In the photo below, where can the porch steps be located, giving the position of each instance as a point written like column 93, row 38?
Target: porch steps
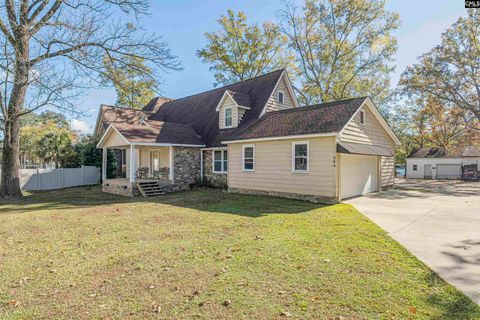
column 150, row 189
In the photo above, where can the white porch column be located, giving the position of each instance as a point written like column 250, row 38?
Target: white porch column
column 104, row 164
column 171, row 162
column 132, row 162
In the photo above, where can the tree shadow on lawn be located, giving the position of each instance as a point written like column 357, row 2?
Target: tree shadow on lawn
column 204, row 199
column 453, row 306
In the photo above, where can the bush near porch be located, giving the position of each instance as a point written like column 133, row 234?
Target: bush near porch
column 81, row 254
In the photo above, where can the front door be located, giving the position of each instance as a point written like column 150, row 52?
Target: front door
column 427, row 171
column 154, row 161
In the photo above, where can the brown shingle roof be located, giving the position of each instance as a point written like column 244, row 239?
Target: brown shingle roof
column 241, row 99
column 471, row 151
column 156, row 103
column 321, row 118
column 199, row 110
column 113, row 114
column 435, row 152
column 159, row 132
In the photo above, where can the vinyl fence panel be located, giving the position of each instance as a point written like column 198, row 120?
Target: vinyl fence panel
column 50, row 179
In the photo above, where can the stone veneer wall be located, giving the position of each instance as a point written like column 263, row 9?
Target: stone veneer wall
column 216, row 180
column 120, row 189
column 186, row 164
column 305, row 197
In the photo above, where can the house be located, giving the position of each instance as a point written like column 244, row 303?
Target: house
column 437, row 163
column 251, row 137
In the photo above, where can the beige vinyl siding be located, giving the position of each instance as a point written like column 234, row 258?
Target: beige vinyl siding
column 371, row 133
column 273, row 104
column 241, row 113
column 228, row 103
column 273, row 168
column 114, row 139
column 143, row 157
column 387, row 171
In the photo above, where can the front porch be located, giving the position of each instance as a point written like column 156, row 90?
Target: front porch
column 143, row 170
column 148, row 168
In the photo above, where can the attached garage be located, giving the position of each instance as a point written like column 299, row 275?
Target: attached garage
column 449, row 171
column 358, row 175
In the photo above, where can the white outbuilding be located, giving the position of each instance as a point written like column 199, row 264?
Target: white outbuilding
column 437, row 163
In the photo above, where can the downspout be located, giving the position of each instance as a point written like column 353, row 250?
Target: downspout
column 201, row 166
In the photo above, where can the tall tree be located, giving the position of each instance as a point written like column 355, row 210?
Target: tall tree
column 441, row 126
column 55, row 143
column 47, row 138
column 51, row 49
column 135, row 86
column 239, row 51
column 342, row 48
column 450, row 72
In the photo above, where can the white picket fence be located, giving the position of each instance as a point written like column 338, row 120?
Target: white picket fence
column 49, row 179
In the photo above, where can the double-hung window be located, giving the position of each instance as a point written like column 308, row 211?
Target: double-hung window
column 248, row 158
column 228, row 117
column 280, row 97
column 300, row 154
column 220, row 161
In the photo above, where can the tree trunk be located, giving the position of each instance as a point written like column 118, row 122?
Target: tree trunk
column 10, row 181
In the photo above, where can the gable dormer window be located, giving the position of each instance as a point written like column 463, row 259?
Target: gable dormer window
column 280, row 97
column 228, row 117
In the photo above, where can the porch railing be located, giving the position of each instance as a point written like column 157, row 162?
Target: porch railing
column 144, row 173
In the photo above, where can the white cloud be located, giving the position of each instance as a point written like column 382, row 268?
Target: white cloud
column 80, row 125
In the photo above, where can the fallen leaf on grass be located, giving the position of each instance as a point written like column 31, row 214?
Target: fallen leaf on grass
column 227, row 302
column 285, row 314
column 14, row 303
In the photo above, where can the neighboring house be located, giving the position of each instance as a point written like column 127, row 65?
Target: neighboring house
column 251, row 137
column 436, row 163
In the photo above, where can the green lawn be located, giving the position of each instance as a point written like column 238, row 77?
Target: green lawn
column 82, row 254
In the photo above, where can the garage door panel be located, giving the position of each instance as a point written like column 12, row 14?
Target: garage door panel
column 449, row 171
column 358, row 175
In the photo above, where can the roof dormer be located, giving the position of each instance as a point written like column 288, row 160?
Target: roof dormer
column 232, row 107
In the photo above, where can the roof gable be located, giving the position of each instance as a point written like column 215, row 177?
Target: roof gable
column 368, row 103
column 271, row 101
column 153, row 132
column 110, row 114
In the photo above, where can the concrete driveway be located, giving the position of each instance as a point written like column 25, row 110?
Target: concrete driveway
column 437, row 221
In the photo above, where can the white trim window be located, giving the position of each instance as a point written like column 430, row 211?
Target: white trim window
column 228, row 117
column 248, row 157
column 220, row 161
column 281, row 97
column 361, row 117
column 300, row 156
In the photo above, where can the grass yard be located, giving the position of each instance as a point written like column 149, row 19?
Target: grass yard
column 82, row 254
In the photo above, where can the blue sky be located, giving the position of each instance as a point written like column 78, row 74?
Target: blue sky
column 183, row 23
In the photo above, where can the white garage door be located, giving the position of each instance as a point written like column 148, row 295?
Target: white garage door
column 358, row 175
column 449, row 171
